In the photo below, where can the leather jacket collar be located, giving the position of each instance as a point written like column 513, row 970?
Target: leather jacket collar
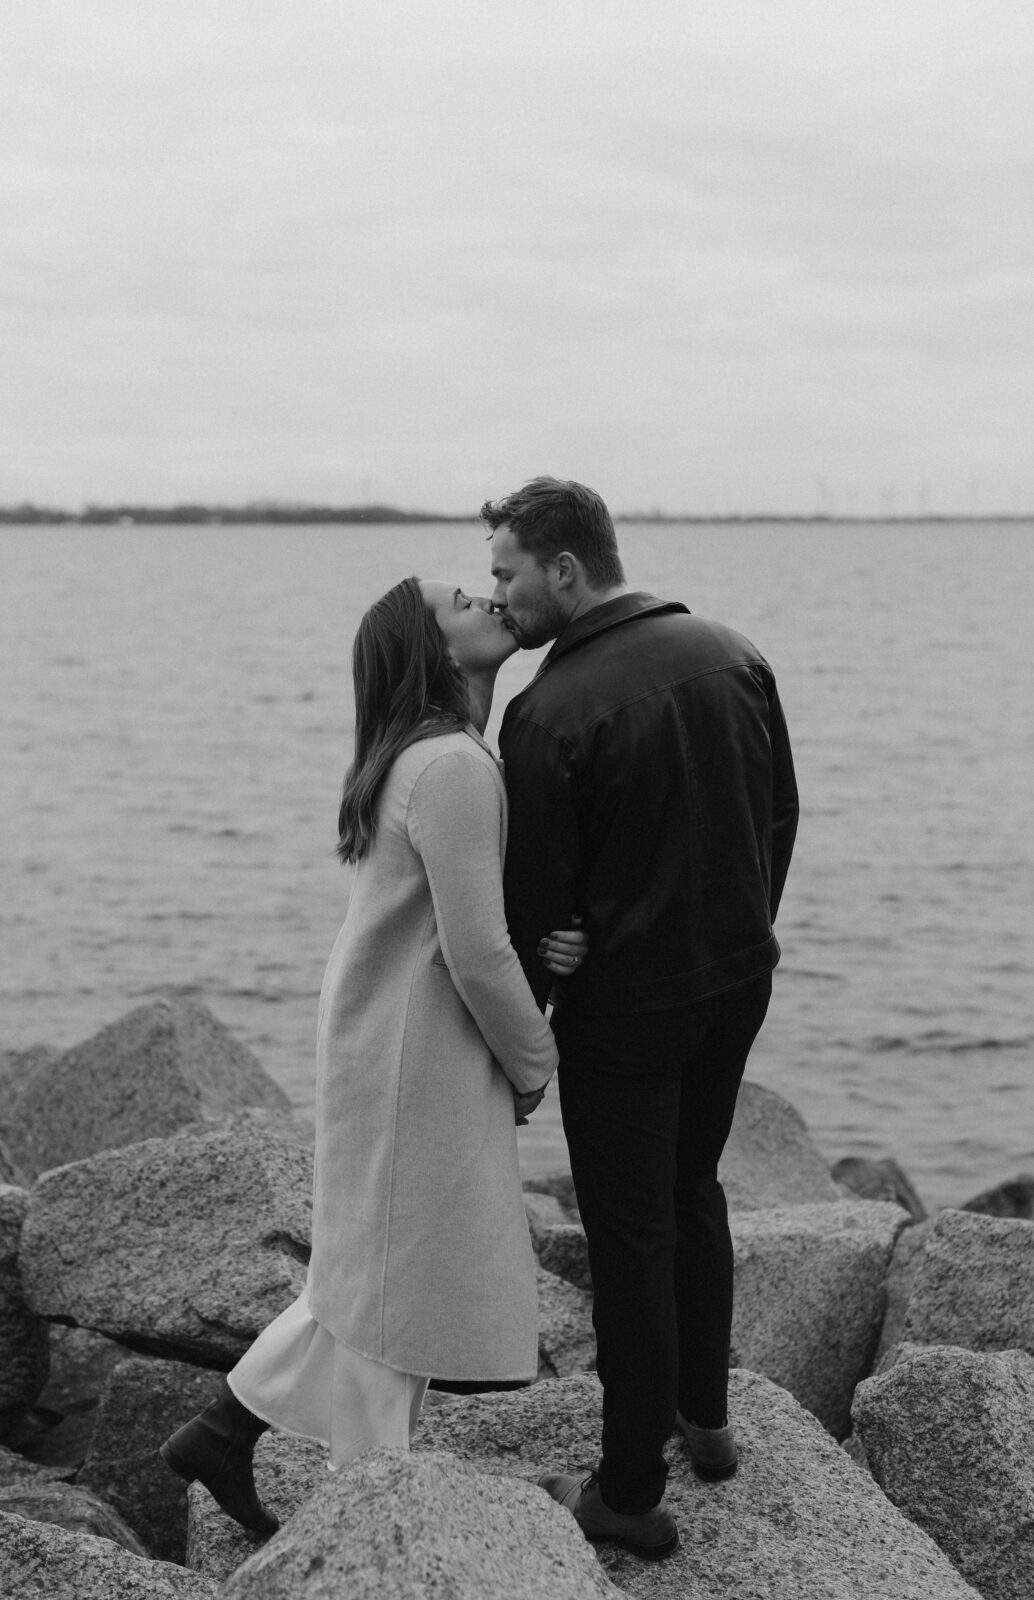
column 608, row 615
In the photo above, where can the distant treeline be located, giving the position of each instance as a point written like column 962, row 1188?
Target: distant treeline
column 262, row 511
column 258, row 511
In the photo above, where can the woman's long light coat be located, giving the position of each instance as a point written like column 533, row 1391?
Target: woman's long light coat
column 421, row 1253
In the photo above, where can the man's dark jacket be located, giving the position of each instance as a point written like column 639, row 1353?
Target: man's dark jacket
column 651, row 790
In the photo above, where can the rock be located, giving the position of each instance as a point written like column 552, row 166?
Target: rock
column 809, row 1298
column 770, row 1158
column 15, row 1468
column 146, row 1399
column 159, row 1068
column 900, row 1281
column 558, row 1186
column 23, row 1335
column 288, row 1471
column 797, row 1522
column 1012, row 1199
column 81, row 1362
column 879, row 1180
column 975, row 1284
column 395, row 1526
column 43, row 1562
column 558, row 1242
column 567, row 1342
column 69, row 1506
column 186, row 1247
column 949, row 1438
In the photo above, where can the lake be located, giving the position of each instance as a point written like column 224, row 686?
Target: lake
column 177, row 720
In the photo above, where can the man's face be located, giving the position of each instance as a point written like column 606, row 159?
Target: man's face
column 525, row 592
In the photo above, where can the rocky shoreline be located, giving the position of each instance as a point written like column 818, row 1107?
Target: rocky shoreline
column 155, row 1199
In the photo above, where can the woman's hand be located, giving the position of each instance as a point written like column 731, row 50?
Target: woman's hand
column 524, row 1105
column 563, row 953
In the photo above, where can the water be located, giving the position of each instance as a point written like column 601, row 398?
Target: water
column 176, row 721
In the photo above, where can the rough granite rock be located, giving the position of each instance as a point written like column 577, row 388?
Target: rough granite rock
column 558, row 1240
column 799, row 1521
column 159, row 1068
column 567, row 1342
column 186, row 1247
column 288, row 1471
column 948, row 1435
column 1014, row 1198
column 770, row 1158
column 68, row 1505
column 81, row 1362
column 42, row 1562
column 24, row 1358
column 975, row 1284
column 900, row 1281
column 15, row 1468
column 879, row 1180
column 809, row 1298
column 395, row 1526
column 146, row 1399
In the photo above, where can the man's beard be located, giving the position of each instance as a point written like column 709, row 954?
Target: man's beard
column 540, row 627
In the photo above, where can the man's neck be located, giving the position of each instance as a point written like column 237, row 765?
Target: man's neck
column 589, row 599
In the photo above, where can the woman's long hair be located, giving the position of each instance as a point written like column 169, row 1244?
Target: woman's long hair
column 406, row 688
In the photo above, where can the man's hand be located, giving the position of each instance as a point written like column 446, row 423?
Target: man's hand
column 524, row 1105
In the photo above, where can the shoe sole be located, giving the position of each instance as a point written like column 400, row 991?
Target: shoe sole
column 172, row 1460
column 651, row 1552
column 714, row 1474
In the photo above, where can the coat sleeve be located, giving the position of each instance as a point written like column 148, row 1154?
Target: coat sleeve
column 455, row 824
column 785, row 804
column 543, row 851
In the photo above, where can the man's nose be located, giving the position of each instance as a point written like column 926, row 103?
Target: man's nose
column 498, row 601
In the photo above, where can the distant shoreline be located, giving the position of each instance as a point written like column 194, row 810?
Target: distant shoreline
column 268, row 514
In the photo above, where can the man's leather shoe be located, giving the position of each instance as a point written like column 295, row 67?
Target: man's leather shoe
column 711, row 1450
column 652, row 1533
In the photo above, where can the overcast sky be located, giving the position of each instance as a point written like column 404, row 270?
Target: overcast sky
column 705, row 255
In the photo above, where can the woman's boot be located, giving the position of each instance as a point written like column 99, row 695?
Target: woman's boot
column 216, row 1449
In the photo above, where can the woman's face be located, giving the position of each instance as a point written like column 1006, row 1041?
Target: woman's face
column 475, row 634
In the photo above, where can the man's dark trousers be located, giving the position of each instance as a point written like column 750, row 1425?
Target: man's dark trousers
column 647, row 1103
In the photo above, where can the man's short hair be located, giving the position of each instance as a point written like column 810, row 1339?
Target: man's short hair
column 549, row 515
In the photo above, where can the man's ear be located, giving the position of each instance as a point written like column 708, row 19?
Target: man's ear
column 568, row 569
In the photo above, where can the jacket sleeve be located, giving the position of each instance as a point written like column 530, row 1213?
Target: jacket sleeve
column 455, row 823
column 785, row 805
column 543, row 850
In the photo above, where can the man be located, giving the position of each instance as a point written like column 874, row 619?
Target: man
column 652, row 792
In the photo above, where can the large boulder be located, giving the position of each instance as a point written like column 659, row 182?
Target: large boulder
column 900, row 1281
column 567, row 1342
column 557, row 1235
column 770, row 1158
column 948, row 1435
column 185, row 1247
column 23, row 1335
column 288, row 1471
column 68, row 1505
column 394, row 1526
column 870, row 1179
column 1014, row 1198
column 146, row 1399
column 974, row 1286
column 809, row 1298
column 45, row 1562
column 798, row 1519
column 159, row 1068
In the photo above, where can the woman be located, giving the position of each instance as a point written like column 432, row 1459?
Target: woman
column 428, row 1044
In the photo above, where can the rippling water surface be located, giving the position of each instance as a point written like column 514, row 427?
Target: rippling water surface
column 177, row 718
